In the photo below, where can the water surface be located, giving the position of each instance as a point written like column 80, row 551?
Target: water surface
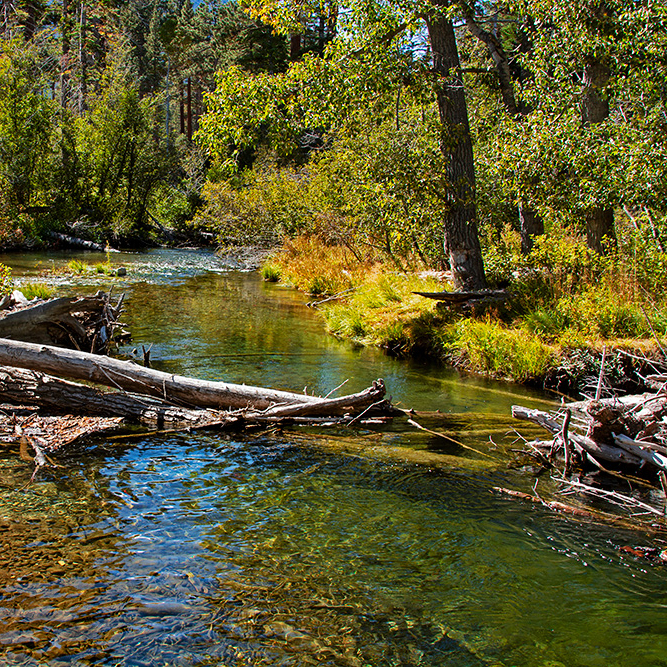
column 306, row 546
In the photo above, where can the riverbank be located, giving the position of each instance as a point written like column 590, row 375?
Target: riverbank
column 553, row 329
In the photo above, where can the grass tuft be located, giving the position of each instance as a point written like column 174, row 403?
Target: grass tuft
column 37, row 290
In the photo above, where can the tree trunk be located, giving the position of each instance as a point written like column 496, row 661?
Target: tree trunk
column 530, row 222
column 132, row 377
column 499, row 57
column 600, row 227
column 461, row 240
column 25, row 387
column 595, row 109
column 65, row 38
column 83, row 60
column 190, row 108
column 181, row 107
column 531, row 225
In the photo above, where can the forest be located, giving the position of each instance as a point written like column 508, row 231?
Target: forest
column 384, row 148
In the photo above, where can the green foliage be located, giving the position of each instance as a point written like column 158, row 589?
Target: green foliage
column 122, row 161
column 493, row 349
column 270, row 272
column 551, row 160
column 384, row 311
column 264, row 207
column 37, row 291
column 6, row 282
column 26, row 129
column 78, row 268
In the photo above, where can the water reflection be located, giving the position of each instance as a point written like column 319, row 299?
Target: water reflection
column 303, row 548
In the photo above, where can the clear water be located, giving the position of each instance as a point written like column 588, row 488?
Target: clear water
column 305, row 547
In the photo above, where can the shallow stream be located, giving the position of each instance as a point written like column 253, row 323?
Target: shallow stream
column 306, row 546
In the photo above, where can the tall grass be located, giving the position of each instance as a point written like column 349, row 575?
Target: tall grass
column 560, row 297
column 317, row 268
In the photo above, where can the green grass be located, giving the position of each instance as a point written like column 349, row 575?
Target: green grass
column 556, row 304
column 39, row 290
column 77, row 267
column 493, row 349
column 271, row 272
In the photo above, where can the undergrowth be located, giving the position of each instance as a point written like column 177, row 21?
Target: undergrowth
column 561, row 297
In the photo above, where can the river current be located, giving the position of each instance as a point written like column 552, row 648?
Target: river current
column 371, row 546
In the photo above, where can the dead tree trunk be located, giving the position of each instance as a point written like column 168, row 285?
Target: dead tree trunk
column 173, row 389
column 129, row 376
column 27, row 387
column 56, row 396
column 85, row 323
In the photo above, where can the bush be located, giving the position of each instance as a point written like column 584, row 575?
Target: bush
column 261, row 208
column 6, row 282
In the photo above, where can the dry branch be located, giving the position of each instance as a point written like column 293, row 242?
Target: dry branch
column 598, row 450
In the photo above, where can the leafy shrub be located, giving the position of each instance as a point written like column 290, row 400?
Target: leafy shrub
column 261, row 208
column 6, row 282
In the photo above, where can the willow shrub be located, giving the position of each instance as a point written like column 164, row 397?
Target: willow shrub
column 262, row 206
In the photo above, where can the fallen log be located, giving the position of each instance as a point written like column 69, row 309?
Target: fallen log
column 57, row 396
column 83, row 323
column 174, row 389
column 366, row 399
column 81, row 243
column 459, row 298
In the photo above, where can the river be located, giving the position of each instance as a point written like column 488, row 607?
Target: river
column 304, row 546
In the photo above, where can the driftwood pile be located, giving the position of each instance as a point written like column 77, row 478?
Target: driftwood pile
column 625, row 437
column 83, row 323
column 626, row 431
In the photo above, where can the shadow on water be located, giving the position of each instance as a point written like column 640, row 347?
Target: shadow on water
column 309, row 547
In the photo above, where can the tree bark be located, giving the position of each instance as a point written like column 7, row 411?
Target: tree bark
column 27, row 387
column 461, row 240
column 499, row 57
column 532, row 225
column 594, row 110
column 132, row 377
